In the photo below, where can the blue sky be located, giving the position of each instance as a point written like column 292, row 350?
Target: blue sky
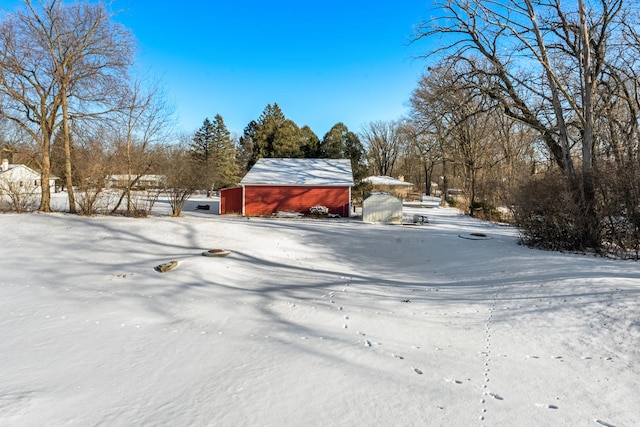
column 322, row 62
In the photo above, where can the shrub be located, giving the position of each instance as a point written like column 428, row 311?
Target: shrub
column 546, row 214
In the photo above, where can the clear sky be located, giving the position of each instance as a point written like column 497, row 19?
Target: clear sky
column 322, row 62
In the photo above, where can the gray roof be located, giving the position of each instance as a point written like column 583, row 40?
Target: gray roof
column 300, row 172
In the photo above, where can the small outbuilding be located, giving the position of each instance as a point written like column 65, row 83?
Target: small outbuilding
column 382, row 207
column 291, row 185
column 386, row 184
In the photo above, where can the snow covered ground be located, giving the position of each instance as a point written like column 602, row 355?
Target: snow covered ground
column 309, row 323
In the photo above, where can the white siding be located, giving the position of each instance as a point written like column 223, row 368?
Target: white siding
column 20, row 179
column 382, row 207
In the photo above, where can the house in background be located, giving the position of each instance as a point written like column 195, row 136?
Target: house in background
column 143, row 182
column 291, row 185
column 22, row 179
column 387, row 184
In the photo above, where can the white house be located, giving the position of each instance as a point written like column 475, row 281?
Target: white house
column 21, row 179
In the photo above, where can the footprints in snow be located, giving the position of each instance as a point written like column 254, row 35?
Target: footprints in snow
column 488, row 354
column 546, row 406
column 487, row 359
column 366, row 342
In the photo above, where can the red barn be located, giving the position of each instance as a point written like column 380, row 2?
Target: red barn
column 292, row 185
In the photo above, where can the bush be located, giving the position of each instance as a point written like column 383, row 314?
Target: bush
column 486, row 210
column 547, row 215
column 620, row 192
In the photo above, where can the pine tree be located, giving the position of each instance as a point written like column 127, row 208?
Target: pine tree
column 310, row 144
column 200, row 148
column 214, row 152
column 226, row 171
column 277, row 136
column 333, row 143
column 341, row 143
column 245, row 147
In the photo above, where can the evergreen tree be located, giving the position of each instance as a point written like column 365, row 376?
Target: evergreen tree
column 333, row 143
column 200, row 147
column 277, row 136
column 287, row 140
column 214, row 152
column 354, row 150
column 310, row 144
column 245, row 147
column 226, row 171
column 340, row 143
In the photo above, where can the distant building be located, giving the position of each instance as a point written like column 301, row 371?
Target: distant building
column 144, row 182
column 387, row 184
column 22, row 179
column 291, row 185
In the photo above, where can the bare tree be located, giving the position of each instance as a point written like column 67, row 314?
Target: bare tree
column 383, row 142
column 93, row 160
column 465, row 121
column 28, row 90
column 143, row 119
column 182, row 175
column 59, row 63
column 542, row 64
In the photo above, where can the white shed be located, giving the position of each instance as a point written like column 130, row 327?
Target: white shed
column 382, row 207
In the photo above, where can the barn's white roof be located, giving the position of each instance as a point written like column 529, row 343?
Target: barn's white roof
column 303, row 172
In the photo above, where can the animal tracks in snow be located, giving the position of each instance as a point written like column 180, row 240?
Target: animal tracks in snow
column 333, row 297
column 487, row 358
column 546, row 406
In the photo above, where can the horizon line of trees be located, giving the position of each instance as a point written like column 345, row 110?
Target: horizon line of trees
column 533, row 106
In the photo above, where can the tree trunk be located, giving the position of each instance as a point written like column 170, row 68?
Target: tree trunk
column 45, row 173
column 427, row 180
column 591, row 223
column 67, row 151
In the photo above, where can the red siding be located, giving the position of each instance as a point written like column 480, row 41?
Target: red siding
column 266, row 200
column 231, row 201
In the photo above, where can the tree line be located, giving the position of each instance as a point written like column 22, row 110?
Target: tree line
column 528, row 106
column 536, row 105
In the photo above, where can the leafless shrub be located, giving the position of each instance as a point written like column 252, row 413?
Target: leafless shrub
column 620, row 193
column 142, row 202
column 546, row 214
column 20, row 198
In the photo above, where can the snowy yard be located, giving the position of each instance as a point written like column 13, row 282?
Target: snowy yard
column 309, row 323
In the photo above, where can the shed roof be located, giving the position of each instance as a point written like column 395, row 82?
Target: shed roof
column 386, row 180
column 300, row 172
